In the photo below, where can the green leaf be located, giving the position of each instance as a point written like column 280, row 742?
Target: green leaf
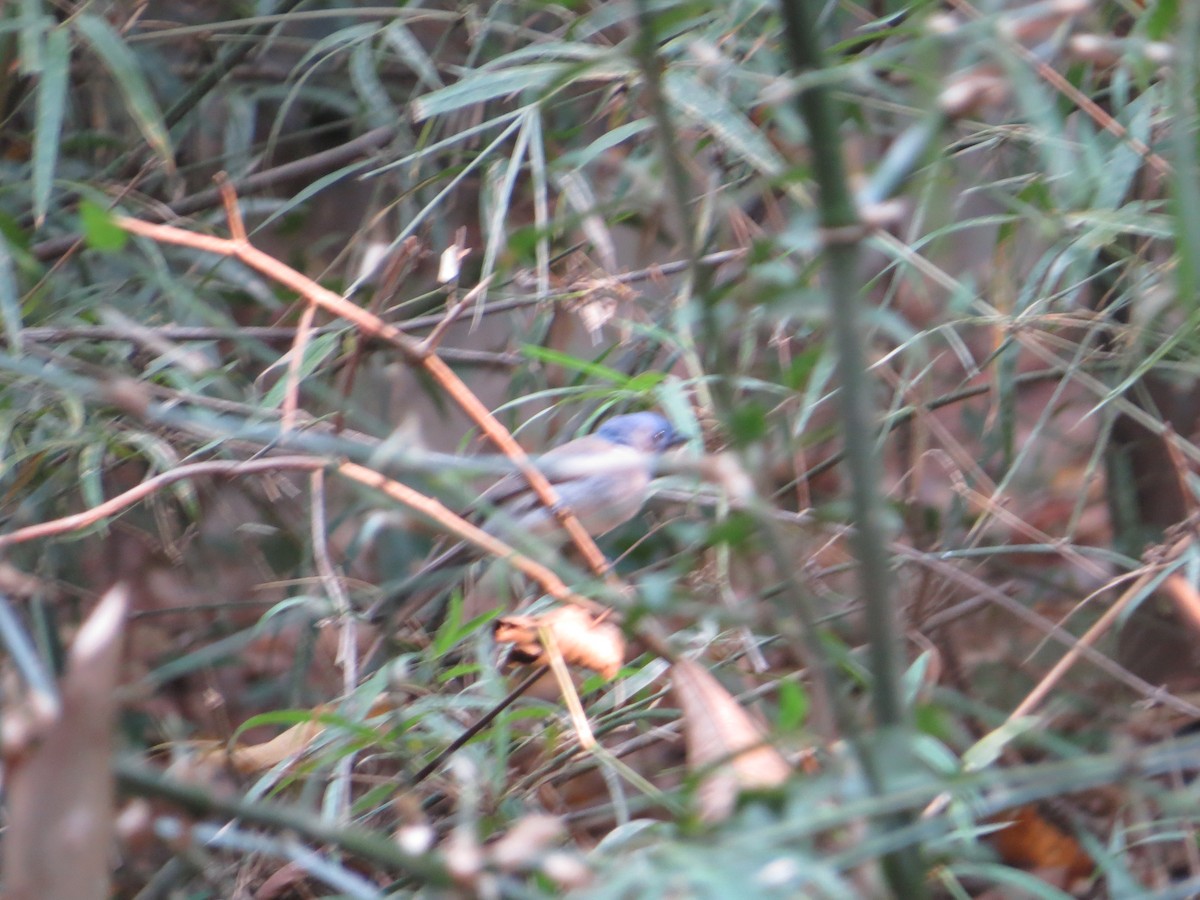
column 597, row 148
column 317, row 351
column 100, row 232
column 123, row 66
column 51, row 104
column 747, row 424
column 728, row 124
column 413, row 55
column 793, row 705
column 645, row 381
column 33, row 23
column 734, row 529
column 91, row 467
column 1160, row 19
column 988, row 748
column 484, row 86
column 10, row 297
column 574, row 364
column 1185, row 194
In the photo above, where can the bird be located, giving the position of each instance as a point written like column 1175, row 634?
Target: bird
column 602, row 478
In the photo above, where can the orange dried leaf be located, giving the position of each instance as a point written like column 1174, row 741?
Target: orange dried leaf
column 582, row 640
column 722, row 738
column 1032, row 841
column 250, row 759
column 288, row 744
column 1186, row 599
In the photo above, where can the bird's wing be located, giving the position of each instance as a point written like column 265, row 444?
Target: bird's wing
column 562, row 464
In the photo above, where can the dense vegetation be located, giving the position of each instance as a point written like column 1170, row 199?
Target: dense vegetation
column 912, row 612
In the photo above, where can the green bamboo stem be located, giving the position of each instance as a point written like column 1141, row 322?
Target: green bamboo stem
column 842, row 233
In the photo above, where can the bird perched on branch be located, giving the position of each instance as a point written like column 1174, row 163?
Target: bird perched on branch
column 602, row 478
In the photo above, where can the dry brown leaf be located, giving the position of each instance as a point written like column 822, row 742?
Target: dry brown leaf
column 1186, row 599
column 286, row 881
column 252, row 759
column 59, row 772
column 723, row 739
column 582, row 640
column 526, row 842
column 1033, row 842
column 288, row 744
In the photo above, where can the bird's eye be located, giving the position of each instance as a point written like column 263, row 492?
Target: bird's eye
column 660, row 437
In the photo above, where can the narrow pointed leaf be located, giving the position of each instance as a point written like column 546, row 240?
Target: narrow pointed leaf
column 123, row 66
column 51, row 104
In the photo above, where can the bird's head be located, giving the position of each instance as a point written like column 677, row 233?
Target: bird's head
column 648, row 432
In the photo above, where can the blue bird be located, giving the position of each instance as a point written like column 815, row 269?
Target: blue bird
column 603, row 478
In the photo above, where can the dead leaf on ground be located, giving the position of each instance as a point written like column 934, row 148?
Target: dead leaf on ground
column 582, row 640
column 59, row 771
column 527, row 842
column 723, row 739
column 1033, row 842
column 286, row 881
column 251, row 759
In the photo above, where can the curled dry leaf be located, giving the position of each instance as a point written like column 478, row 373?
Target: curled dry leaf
column 1033, row 841
column 526, row 842
column 969, row 92
column 450, row 262
column 724, row 744
column 600, row 299
column 567, row 870
column 59, row 780
column 250, row 759
column 463, row 856
column 582, row 640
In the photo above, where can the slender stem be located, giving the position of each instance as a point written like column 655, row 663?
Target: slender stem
column 842, row 232
column 840, row 222
column 138, row 779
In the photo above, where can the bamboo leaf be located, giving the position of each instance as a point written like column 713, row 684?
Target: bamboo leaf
column 727, row 124
column 51, row 105
column 484, row 86
column 123, row 66
column 10, row 297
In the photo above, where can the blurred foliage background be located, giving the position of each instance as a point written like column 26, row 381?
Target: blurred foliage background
column 642, row 198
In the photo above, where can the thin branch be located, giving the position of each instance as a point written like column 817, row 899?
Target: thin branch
column 373, row 326
column 140, row 780
column 150, row 486
column 486, row 719
column 467, row 531
column 309, row 166
column 1134, row 592
column 430, row 344
column 347, row 625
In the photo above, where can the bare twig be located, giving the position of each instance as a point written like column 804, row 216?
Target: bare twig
column 373, row 326
column 314, row 164
column 347, row 625
column 486, row 719
column 1093, row 634
column 91, row 516
column 430, row 344
column 460, row 527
